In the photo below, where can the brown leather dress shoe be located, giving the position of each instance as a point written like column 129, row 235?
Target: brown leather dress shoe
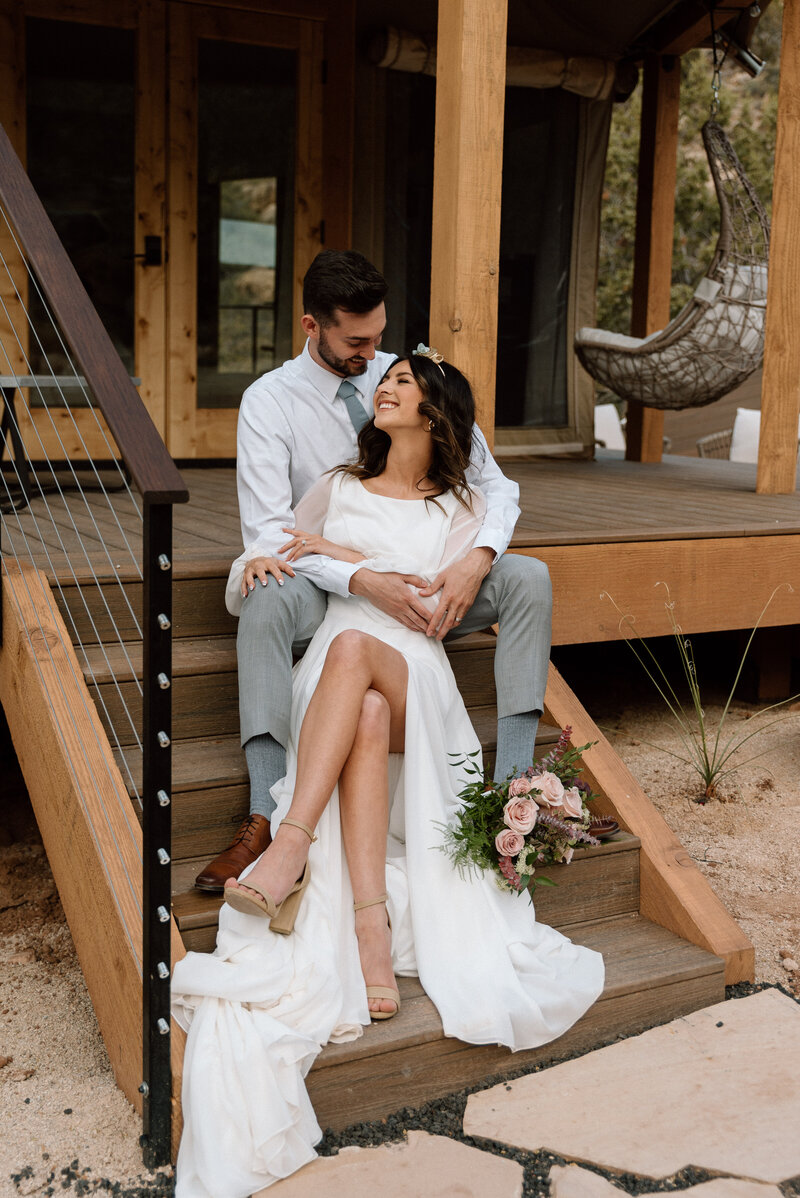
column 248, row 843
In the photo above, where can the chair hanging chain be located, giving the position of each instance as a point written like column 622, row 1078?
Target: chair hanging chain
column 716, row 75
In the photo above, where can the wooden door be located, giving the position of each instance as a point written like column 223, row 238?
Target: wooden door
column 244, row 209
column 82, row 96
column 187, row 187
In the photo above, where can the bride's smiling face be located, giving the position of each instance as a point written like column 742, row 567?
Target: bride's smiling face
column 397, row 400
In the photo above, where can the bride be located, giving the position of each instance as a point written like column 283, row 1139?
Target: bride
column 353, row 889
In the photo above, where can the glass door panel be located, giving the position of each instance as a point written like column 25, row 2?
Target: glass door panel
column 246, row 145
column 80, row 147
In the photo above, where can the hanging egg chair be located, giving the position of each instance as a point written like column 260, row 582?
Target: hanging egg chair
column 717, row 340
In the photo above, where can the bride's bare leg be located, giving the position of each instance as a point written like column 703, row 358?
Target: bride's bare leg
column 364, row 810
column 356, row 662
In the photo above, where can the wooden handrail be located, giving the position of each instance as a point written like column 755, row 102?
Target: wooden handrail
column 153, row 471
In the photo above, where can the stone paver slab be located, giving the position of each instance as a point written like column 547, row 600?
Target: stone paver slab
column 422, row 1167
column 718, row 1089
column 571, row 1181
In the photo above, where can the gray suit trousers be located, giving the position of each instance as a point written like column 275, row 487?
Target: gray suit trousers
column 277, row 622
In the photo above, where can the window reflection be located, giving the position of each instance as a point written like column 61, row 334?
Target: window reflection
column 247, row 258
column 245, row 196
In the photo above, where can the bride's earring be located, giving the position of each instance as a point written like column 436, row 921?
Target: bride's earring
column 431, row 426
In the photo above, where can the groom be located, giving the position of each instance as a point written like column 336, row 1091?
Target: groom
column 295, row 423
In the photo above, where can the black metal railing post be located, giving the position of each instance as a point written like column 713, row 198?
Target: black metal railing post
column 157, row 832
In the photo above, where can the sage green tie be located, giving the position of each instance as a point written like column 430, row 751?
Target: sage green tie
column 354, row 406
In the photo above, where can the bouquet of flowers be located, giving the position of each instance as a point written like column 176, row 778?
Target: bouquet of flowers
column 526, row 822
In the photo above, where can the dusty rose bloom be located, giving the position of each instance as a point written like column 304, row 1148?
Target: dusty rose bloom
column 572, row 803
column 520, row 814
column 508, row 842
column 568, row 856
column 551, row 787
column 520, row 786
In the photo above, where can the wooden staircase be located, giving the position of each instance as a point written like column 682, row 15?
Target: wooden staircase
column 653, row 974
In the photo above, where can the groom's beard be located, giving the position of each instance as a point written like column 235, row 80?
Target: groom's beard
column 346, row 366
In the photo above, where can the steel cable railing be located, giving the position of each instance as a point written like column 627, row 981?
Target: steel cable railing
column 94, row 528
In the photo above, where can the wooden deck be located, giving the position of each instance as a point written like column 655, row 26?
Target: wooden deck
column 602, row 526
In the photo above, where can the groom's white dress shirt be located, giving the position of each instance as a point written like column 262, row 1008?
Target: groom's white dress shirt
column 293, row 427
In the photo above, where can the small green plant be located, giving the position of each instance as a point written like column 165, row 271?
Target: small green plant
column 707, row 750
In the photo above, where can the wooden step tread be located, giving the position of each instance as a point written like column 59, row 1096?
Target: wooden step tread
column 572, row 901
column 183, row 569
column 219, row 761
column 638, row 954
column 652, row 976
column 199, row 655
column 190, row 655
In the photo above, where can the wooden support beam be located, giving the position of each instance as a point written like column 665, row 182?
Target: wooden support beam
column 655, row 218
column 780, row 388
column 673, row 892
column 467, row 186
column 338, row 149
column 14, row 277
column 716, row 583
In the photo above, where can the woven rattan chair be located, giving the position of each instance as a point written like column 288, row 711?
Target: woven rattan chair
column 715, row 445
column 717, row 340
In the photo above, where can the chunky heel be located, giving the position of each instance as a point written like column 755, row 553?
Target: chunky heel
column 283, row 920
column 282, row 915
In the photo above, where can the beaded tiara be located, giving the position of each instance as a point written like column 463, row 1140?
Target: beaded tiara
column 425, row 351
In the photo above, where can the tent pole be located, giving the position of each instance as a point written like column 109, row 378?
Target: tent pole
column 780, row 387
column 467, row 186
column 655, row 218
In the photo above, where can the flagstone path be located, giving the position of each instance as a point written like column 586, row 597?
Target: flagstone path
column 717, row 1091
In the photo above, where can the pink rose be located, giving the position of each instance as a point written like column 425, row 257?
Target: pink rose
column 572, row 803
column 508, row 842
column 520, row 786
column 520, row 814
column 551, row 787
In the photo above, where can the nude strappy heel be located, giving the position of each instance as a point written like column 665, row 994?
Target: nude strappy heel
column 282, row 915
column 380, row 991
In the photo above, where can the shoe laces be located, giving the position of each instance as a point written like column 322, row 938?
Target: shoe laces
column 247, row 832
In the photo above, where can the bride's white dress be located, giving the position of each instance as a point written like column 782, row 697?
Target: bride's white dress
column 262, row 1006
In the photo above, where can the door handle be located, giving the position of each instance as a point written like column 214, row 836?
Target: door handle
column 152, row 255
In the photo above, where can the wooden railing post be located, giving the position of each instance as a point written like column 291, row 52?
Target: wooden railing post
column 780, row 387
column 655, row 218
column 467, row 187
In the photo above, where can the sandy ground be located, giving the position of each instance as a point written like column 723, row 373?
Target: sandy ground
column 64, row 1126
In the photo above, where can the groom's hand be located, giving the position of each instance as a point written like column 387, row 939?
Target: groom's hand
column 458, row 586
column 392, row 593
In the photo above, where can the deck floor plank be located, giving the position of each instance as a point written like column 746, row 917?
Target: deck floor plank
column 562, row 503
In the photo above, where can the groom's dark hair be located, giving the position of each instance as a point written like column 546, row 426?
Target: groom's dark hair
column 341, row 279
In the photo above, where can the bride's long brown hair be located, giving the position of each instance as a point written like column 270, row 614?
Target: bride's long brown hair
column 448, row 403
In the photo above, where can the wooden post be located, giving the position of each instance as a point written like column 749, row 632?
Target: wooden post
column 467, row 186
column 13, row 278
column 338, row 148
column 780, row 387
column 655, row 218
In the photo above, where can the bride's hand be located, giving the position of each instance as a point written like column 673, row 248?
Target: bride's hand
column 303, row 543
column 260, row 568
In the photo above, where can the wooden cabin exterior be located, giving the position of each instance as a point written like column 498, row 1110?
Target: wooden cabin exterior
column 484, row 218
column 192, row 223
